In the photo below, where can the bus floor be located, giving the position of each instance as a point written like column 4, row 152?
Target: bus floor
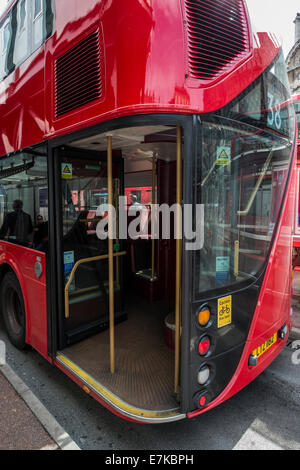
column 144, row 364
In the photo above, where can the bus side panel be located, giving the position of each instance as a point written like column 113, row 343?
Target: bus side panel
column 22, row 261
column 135, row 54
column 22, row 118
column 273, row 307
column 275, row 297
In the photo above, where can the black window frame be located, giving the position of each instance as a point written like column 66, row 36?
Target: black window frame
column 13, row 18
column 262, row 123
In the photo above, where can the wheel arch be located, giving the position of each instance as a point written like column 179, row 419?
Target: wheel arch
column 7, row 265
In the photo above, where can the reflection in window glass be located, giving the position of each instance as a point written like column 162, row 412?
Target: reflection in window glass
column 242, row 166
column 138, row 182
column 29, row 36
column 250, row 105
column 37, row 7
column 24, row 200
column 38, row 24
column 6, row 36
column 298, row 213
column 84, row 189
column 21, row 45
column 22, row 14
column 85, row 197
column 297, row 109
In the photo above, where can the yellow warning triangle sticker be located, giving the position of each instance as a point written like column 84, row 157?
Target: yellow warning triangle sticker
column 223, row 155
column 66, row 170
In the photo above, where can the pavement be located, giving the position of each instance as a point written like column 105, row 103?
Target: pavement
column 25, row 424
column 20, row 429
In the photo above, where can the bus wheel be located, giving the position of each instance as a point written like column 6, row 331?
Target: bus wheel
column 13, row 310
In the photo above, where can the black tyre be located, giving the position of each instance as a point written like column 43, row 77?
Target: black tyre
column 13, row 310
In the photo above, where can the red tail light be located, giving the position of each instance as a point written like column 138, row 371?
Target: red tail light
column 204, row 345
column 201, row 399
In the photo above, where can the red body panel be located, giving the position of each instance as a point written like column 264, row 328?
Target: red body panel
column 22, row 112
column 273, row 306
column 296, row 239
column 144, row 61
column 22, row 261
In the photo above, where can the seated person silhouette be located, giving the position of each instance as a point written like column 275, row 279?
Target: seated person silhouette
column 40, row 236
column 17, row 225
column 134, row 204
column 77, row 236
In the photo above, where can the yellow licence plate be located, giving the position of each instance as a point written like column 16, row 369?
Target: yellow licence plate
column 264, row 347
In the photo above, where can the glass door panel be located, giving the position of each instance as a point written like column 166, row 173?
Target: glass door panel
column 85, row 256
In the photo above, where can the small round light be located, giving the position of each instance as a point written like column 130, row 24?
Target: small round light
column 204, row 345
column 204, row 316
column 203, row 375
column 201, row 399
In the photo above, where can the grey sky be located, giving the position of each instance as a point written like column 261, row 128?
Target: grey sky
column 276, row 16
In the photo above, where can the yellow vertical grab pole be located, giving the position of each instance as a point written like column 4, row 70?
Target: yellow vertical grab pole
column 111, row 255
column 116, row 204
column 178, row 258
column 153, row 202
column 236, row 257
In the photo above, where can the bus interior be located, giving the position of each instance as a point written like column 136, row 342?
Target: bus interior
column 144, row 173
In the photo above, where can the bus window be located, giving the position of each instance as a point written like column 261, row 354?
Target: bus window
column 23, row 31
column 6, row 37
column 38, row 23
column 298, row 194
column 37, row 8
column 245, row 160
column 138, row 182
column 24, row 200
column 297, row 215
column 297, row 110
column 21, row 48
column 22, row 14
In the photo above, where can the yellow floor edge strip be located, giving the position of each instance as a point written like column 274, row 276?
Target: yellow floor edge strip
column 116, row 402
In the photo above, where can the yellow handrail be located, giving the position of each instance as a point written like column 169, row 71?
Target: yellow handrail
column 75, row 267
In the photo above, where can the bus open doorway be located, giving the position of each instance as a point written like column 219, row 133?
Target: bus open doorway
column 121, row 326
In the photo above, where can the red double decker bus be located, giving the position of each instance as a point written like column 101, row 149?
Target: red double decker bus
column 296, row 100
column 296, row 230
column 179, row 102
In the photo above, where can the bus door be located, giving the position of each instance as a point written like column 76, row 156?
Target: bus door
column 84, row 191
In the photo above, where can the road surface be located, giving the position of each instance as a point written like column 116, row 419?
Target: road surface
column 265, row 415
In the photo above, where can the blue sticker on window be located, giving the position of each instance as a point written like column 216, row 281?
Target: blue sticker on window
column 68, row 261
column 222, row 268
